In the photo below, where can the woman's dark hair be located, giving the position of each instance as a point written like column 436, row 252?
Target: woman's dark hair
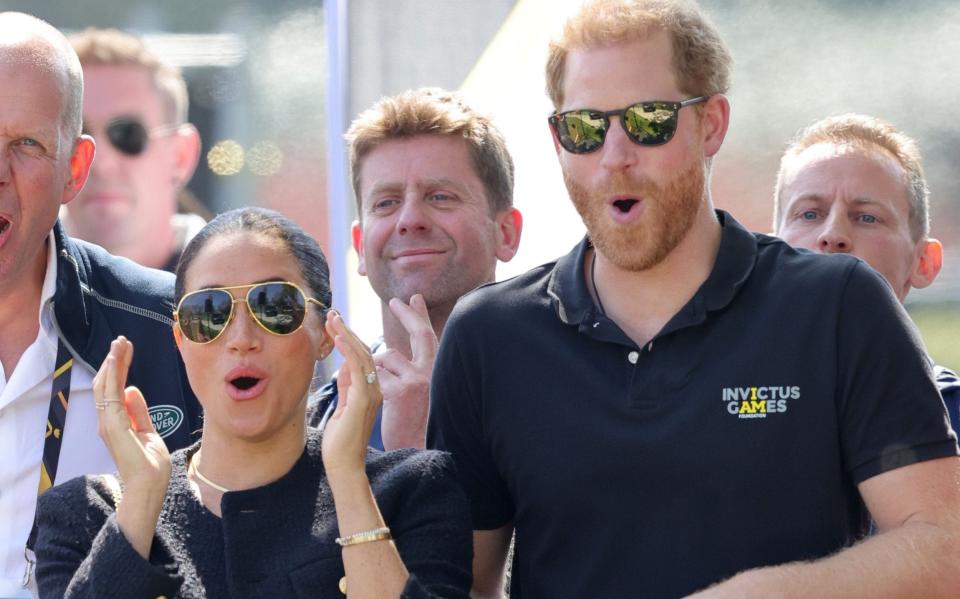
column 270, row 223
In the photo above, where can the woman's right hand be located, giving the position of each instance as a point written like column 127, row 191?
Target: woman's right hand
column 372, row 569
column 139, row 453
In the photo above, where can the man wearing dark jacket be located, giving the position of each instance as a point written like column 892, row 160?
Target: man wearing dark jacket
column 62, row 301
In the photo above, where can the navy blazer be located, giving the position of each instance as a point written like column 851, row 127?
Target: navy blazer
column 100, row 296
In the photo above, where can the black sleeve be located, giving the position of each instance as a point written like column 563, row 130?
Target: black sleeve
column 455, row 424
column 890, row 410
column 949, row 387
column 82, row 553
column 433, row 534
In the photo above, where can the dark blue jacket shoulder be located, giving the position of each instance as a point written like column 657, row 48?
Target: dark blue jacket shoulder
column 99, row 297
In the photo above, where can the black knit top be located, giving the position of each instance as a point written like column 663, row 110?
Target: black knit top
column 272, row 541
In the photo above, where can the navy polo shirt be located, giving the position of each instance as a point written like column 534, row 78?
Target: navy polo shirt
column 734, row 439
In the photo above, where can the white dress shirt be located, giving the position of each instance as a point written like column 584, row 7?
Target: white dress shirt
column 24, row 404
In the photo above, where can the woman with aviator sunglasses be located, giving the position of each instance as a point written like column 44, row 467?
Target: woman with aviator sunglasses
column 262, row 506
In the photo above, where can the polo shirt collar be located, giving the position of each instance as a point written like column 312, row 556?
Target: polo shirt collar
column 573, row 304
column 567, row 286
column 735, row 261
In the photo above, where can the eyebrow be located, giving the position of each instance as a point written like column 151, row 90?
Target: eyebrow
column 380, row 188
column 868, row 201
column 432, row 183
column 443, row 182
column 818, row 198
column 43, row 134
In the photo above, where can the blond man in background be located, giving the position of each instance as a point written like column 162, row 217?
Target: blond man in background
column 135, row 106
column 854, row 184
column 433, row 182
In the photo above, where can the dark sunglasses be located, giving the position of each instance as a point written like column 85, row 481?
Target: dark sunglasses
column 649, row 123
column 279, row 307
column 130, row 136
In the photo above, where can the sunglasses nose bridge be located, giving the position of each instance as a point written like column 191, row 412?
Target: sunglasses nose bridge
column 254, row 319
column 619, row 150
column 249, row 310
column 242, row 325
column 621, row 123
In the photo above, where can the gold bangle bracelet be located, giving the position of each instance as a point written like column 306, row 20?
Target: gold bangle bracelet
column 367, row 536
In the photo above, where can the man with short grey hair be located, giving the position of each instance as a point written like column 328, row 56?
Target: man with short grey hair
column 62, row 301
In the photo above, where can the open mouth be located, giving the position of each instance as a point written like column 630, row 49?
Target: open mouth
column 4, row 225
column 244, row 382
column 625, row 205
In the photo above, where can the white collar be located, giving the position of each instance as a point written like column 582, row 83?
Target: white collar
column 48, row 289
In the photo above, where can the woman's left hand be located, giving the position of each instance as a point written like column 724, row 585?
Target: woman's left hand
column 347, row 433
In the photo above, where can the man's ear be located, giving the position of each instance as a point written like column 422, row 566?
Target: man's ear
column 356, row 234
column 509, row 226
column 80, row 160
column 927, row 263
column 187, row 140
column 714, row 120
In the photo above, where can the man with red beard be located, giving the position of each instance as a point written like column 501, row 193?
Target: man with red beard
column 678, row 402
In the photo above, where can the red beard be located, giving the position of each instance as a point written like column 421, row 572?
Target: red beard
column 669, row 213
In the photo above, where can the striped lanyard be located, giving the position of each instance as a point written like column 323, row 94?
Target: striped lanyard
column 53, row 439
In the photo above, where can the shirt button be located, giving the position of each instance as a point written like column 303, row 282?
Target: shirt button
column 343, row 585
column 633, row 357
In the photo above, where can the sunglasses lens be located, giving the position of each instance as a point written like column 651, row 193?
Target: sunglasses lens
column 203, row 315
column 581, row 131
column 280, row 307
column 651, row 123
column 128, row 136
